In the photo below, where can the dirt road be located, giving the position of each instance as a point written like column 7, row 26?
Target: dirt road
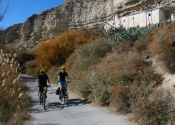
column 76, row 112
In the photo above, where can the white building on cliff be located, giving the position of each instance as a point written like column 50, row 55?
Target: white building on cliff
column 140, row 19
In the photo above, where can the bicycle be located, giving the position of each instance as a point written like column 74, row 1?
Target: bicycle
column 43, row 98
column 64, row 95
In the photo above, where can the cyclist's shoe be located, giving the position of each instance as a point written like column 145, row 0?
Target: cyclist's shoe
column 66, row 95
column 59, row 96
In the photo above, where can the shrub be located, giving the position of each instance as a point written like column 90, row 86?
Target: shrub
column 56, row 51
column 158, row 110
column 125, row 78
column 31, row 68
column 128, row 77
column 92, row 53
column 163, row 46
column 120, row 79
column 100, row 93
column 121, row 34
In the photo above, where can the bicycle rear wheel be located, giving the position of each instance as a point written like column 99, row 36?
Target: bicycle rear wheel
column 41, row 99
column 64, row 96
column 44, row 101
column 64, row 100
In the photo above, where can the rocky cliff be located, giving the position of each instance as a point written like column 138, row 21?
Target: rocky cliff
column 74, row 14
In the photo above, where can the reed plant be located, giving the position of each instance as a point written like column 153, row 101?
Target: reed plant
column 14, row 102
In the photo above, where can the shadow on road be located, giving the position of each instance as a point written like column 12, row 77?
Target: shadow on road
column 49, row 107
column 77, row 102
column 56, row 105
column 59, row 105
column 28, row 79
column 70, row 103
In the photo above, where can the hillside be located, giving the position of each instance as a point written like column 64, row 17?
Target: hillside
column 75, row 14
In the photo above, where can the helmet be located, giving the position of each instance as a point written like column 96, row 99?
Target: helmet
column 63, row 67
column 43, row 70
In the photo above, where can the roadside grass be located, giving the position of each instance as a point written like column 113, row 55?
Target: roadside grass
column 14, row 101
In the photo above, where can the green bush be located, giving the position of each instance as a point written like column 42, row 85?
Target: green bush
column 91, row 53
column 121, row 34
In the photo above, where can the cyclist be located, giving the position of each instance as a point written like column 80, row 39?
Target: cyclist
column 41, row 81
column 62, row 79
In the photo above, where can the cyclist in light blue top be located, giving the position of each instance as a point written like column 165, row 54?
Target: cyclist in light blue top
column 62, row 78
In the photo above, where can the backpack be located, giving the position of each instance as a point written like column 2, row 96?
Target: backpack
column 57, row 91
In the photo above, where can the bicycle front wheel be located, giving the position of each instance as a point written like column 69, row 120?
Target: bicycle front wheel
column 44, row 101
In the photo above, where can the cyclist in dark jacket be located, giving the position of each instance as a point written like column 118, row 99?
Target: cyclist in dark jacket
column 42, row 80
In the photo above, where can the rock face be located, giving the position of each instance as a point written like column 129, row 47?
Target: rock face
column 10, row 34
column 75, row 14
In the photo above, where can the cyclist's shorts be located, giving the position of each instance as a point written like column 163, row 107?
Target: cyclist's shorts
column 62, row 83
column 41, row 88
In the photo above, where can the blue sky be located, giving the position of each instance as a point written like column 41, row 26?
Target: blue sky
column 19, row 10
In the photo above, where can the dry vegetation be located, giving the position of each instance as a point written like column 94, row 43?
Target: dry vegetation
column 124, row 78
column 14, row 102
column 163, row 46
column 56, row 51
column 120, row 76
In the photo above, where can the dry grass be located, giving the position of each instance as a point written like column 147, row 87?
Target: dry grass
column 13, row 100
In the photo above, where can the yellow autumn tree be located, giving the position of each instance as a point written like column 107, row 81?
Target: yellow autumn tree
column 56, row 51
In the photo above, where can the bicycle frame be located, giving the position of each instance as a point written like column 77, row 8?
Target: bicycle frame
column 43, row 98
column 63, row 94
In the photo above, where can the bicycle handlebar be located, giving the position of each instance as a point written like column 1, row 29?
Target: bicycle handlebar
column 49, row 85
